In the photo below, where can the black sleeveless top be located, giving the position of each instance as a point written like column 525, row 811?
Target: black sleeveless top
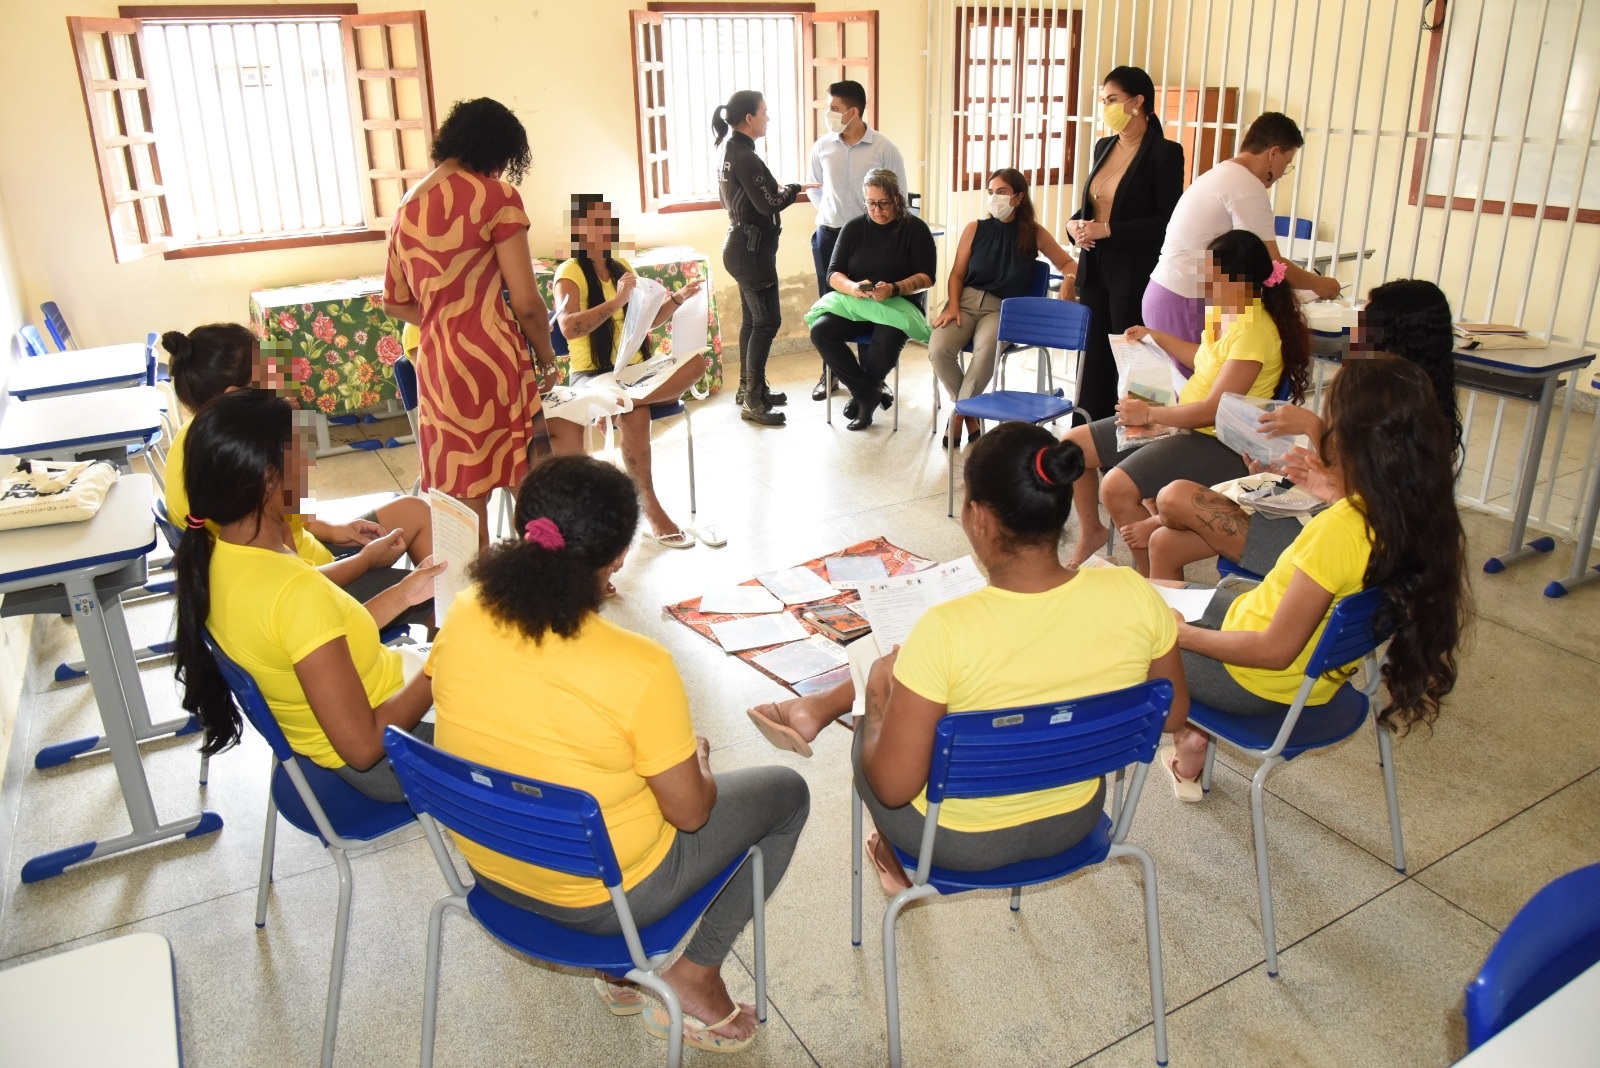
column 993, row 265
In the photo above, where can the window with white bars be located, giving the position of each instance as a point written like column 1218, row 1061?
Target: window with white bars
column 255, row 119
column 688, row 63
column 1016, row 85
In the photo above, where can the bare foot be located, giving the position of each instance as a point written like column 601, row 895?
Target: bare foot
column 703, row 995
column 1137, row 535
column 1090, row 541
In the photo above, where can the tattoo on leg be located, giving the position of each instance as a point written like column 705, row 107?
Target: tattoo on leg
column 1220, row 515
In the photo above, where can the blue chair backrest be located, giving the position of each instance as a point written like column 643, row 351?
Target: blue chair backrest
column 558, row 340
column 247, row 695
column 1056, row 324
column 56, row 323
column 1039, row 284
column 169, row 529
column 1354, row 630
column 1285, row 389
column 31, row 341
column 405, row 380
column 150, row 358
column 1019, row 750
column 1302, row 227
column 538, row 823
column 1553, row 938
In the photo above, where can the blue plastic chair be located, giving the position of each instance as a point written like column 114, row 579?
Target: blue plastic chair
column 1042, row 323
column 561, row 829
column 318, row 802
column 1302, row 227
column 32, row 343
column 1021, row 750
column 1354, row 632
column 56, row 323
column 1551, row 940
column 1004, row 406
column 1038, row 286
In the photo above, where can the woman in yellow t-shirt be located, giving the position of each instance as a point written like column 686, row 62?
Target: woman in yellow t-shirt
column 1039, row 632
column 528, row 678
column 312, row 648
column 1387, row 468
column 1254, row 339
column 591, row 298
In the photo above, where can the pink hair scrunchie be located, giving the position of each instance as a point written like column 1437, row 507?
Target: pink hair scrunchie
column 544, row 533
column 1279, row 270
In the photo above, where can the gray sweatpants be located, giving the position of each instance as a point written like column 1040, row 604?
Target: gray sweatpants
column 764, row 807
column 978, row 850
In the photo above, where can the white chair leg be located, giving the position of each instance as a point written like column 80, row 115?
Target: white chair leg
column 269, row 842
column 1152, row 935
column 205, row 769
column 1258, row 819
column 674, row 1013
column 688, row 425
column 1016, row 899
column 891, row 970
column 950, row 487
column 855, row 867
column 827, row 394
column 1386, row 759
column 896, row 395
column 1116, row 794
column 758, row 921
column 341, row 931
column 430, row 985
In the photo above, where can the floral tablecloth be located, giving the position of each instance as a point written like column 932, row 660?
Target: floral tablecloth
column 342, row 345
column 340, row 342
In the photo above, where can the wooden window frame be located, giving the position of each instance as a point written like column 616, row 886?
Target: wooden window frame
column 963, row 180
column 650, row 114
column 106, row 141
column 1519, row 209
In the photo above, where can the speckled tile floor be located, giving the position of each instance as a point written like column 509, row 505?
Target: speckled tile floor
column 1501, row 797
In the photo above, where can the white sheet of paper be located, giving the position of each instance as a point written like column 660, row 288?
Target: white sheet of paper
column 797, row 585
column 1192, row 603
column 739, row 601
column 689, row 324
column 643, row 305
column 804, row 659
column 455, row 542
column 896, row 604
column 758, row 632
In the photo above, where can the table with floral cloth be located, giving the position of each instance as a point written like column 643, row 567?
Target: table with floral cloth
column 340, row 342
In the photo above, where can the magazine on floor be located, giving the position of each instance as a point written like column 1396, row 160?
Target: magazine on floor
column 802, row 660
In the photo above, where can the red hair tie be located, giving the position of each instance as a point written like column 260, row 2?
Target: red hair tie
column 194, row 522
column 544, row 533
column 1038, row 466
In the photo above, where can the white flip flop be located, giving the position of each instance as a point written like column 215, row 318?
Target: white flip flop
column 710, row 536
column 678, row 539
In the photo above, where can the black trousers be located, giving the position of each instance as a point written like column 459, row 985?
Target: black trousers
column 822, row 242
column 1111, row 311
column 756, row 272
column 863, row 376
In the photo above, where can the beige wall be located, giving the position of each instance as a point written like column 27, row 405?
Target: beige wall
column 528, row 56
column 15, row 631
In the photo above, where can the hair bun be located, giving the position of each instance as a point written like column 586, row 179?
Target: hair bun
column 1063, row 463
column 176, row 342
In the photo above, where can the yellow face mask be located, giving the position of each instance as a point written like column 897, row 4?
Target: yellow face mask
column 1114, row 113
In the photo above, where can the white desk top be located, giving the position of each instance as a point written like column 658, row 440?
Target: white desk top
column 123, row 529
column 66, row 370
column 110, row 1003
column 1562, row 1031
column 83, row 420
column 1531, row 363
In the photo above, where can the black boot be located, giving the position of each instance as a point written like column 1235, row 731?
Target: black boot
column 755, row 409
column 738, row 398
column 774, row 399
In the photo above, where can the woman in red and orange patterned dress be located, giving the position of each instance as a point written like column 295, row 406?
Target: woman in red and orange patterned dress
column 459, row 238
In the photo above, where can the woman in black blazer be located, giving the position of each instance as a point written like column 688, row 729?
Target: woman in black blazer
column 1134, row 183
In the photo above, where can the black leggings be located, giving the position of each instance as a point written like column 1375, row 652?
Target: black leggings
column 863, row 377
column 1110, row 312
column 756, row 271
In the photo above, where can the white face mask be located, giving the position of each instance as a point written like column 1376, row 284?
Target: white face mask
column 835, row 121
column 1000, row 206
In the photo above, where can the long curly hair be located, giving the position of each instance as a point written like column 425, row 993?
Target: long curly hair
column 1242, row 256
column 1393, row 447
column 1411, row 318
column 541, row 590
column 484, row 136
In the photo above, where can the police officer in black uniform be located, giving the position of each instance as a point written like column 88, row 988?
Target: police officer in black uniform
column 753, row 199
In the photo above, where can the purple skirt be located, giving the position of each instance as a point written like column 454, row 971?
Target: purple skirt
column 1165, row 310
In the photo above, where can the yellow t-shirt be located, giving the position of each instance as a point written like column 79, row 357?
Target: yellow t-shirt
column 269, row 611
column 310, row 549
column 579, row 354
column 997, row 649
column 1253, row 337
column 601, row 712
column 1332, row 550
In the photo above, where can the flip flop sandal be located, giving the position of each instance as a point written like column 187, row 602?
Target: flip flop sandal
column 678, row 539
column 893, row 880
column 776, row 731
column 709, row 536
column 696, row 1033
column 1186, row 790
column 619, row 999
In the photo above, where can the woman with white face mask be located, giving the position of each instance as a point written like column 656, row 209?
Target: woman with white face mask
column 1134, row 183
column 995, row 259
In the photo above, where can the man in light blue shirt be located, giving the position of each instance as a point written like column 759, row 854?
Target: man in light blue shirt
column 840, row 161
